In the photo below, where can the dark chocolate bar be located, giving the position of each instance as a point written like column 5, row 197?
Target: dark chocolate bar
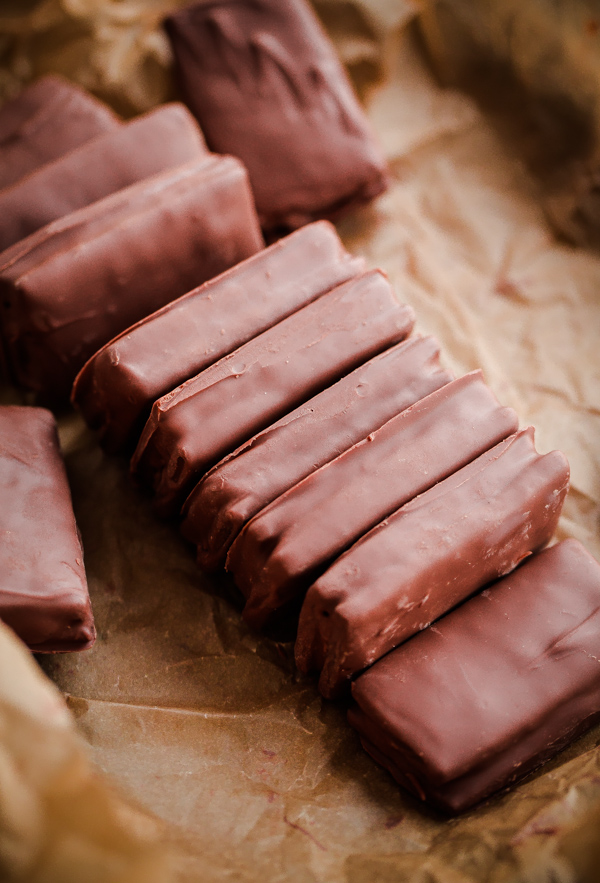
column 160, row 140
column 72, row 286
column 494, row 689
column 193, row 427
column 430, row 555
column 291, row 542
column 46, row 120
column 43, row 588
column 279, row 457
column 266, row 85
column 117, row 388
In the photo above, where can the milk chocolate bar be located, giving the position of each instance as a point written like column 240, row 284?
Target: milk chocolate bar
column 266, row 85
column 291, row 542
column 494, row 689
column 193, row 427
column 283, row 454
column 117, row 388
column 434, row 552
column 72, row 286
column 46, row 120
column 159, row 140
column 43, row 588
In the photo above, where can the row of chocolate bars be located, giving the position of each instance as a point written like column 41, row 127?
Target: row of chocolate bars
column 312, row 446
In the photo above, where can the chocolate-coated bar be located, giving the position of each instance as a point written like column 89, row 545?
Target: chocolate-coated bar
column 43, row 588
column 291, row 542
column 471, row 528
column 493, row 689
column 118, row 386
column 159, row 140
column 46, row 120
column 283, row 454
column 193, row 427
column 72, row 286
column 266, row 85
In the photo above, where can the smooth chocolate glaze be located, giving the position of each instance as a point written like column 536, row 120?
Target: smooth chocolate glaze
column 72, row 286
column 193, row 427
column 46, row 120
column 43, row 588
column 263, row 79
column 118, row 386
column 289, row 544
column 165, row 138
column 430, row 555
column 493, row 689
column 279, row 457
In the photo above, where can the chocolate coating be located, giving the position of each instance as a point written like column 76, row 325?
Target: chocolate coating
column 291, row 542
column 118, row 386
column 428, row 556
column 165, row 138
column 279, row 457
column 43, row 588
column 194, row 426
column 494, row 689
column 263, row 79
column 72, row 286
column 46, row 120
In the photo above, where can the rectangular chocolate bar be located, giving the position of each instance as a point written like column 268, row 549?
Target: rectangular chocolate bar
column 193, row 427
column 72, row 286
column 43, row 588
column 46, row 120
column 290, row 543
column 283, row 454
column 434, row 552
column 264, row 81
column 494, row 689
column 118, row 386
column 160, row 140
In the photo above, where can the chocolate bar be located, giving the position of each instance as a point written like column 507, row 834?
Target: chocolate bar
column 46, row 120
column 283, row 454
column 193, row 427
column 430, row 555
column 43, row 588
column 266, row 85
column 159, row 140
column 494, row 689
column 117, row 388
column 289, row 544
column 72, row 286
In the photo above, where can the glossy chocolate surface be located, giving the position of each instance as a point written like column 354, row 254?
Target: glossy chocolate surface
column 43, row 588
column 72, row 286
column 291, row 542
column 283, row 454
column 209, row 416
column 266, row 85
column 430, row 555
column 117, row 388
column 494, row 688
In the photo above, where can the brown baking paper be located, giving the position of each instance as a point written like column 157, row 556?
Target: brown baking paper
column 193, row 716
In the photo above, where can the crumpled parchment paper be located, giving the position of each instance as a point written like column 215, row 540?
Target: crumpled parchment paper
column 195, row 717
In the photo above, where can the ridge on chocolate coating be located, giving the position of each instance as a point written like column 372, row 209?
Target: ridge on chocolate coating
column 284, row 548
column 193, row 427
column 430, row 555
column 280, row 456
column 71, row 286
column 494, row 688
column 159, row 140
column 265, row 83
column 116, row 389
column 47, row 119
column 43, row 588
